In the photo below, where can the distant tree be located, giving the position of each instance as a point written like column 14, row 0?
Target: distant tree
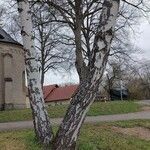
column 138, row 81
column 52, row 53
column 113, row 74
column 2, row 13
column 134, row 76
column 145, row 77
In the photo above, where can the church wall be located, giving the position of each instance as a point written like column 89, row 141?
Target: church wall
column 14, row 75
column 1, row 83
column 8, row 81
column 19, row 80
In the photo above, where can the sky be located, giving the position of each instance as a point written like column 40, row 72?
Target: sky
column 141, row 40
column 61, row 78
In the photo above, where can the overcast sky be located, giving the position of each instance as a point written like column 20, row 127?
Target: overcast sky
column 142, row 40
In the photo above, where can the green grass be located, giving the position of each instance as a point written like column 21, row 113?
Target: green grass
column 98, row 136
column 102, row 137
column 19, row 140
column 131, row 123
column 114, row 107
column 98, row 108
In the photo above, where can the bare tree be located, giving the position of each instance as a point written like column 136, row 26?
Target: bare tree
column 117, row 73
column 2, row 13
column 138, row 81
column 68, row 132
column 40, row 117
column 113, row 73
column 89, row 12
column 52, row 53
column 69, row 129
column 134, row 75
column 83, row 18
column 90, row 71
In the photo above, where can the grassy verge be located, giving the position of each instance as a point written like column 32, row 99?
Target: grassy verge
column 98, row 108
column 93, row 137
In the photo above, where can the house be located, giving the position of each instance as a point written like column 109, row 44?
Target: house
column 48, row 89
column 57, row 95
column 12, row 73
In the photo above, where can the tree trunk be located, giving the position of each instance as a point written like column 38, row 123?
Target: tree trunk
column 41, row 122
column 69, row 129
column 109, row 87
column 80, row 64
column 42, row 74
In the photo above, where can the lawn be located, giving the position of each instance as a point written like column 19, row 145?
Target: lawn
column 98, row 136
column 98, row 108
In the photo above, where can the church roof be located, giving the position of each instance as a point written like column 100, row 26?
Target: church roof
column 5, row 37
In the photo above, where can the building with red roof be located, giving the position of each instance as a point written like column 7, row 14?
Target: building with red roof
column 48, row 89
column 59, row 94
column 54, row 94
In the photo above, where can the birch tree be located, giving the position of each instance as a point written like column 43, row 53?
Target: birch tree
column 68, row 132
column 91, row 73
column 40, row 118
column 69, row 129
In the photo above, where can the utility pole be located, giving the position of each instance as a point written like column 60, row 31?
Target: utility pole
column 121, row 94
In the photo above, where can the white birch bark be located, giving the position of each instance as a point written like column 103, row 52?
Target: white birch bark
column 40, row 117
column 69, row 129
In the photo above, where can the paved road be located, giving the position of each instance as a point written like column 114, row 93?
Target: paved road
column 144, row 102
column 92, row 119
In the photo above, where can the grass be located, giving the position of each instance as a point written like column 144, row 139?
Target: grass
column 19, row 140
column 98, row 136
column 131, row 123
column 114, row 107
column 98, row 108
column 102, row 137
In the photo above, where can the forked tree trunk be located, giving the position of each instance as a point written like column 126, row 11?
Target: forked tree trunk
column 69, row 129
column 40, row 117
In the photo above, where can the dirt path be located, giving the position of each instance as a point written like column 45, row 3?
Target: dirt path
column 92, row 119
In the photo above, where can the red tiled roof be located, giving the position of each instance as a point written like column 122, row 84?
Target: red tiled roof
column 61, row 93
column 48, row 89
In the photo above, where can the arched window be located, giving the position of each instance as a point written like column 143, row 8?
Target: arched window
column 8, row 65
column 23, row 81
